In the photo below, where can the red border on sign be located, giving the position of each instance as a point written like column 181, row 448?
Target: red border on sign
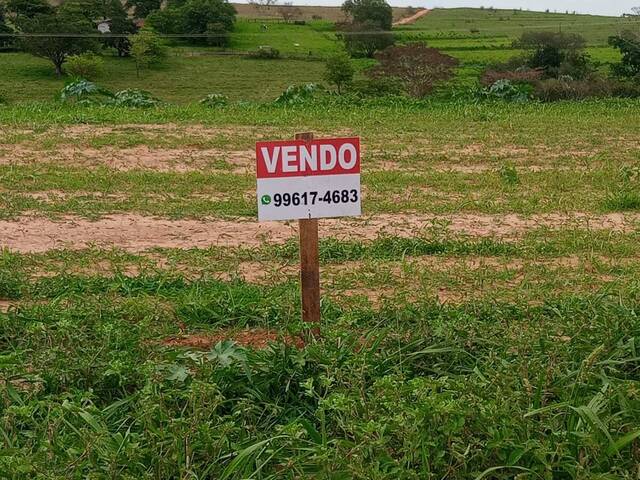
column 272, row 165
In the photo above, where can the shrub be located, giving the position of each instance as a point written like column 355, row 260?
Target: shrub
column 265, row 53
column 419, row 68
column 134, row 98
column 296, row 94
column 215, row 100
column 628, row 43
column 339, row 71
column 147, row 49
column 566, row 89
column 525, row 75
column 85, row 65
column 84, row 91
column 556, row 53
column 509, row 91
column 3, row 98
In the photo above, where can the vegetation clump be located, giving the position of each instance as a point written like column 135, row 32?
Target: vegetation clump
column 419, row 68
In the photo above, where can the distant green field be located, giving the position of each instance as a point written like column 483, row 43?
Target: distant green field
column 184, row 79
column 459, row 26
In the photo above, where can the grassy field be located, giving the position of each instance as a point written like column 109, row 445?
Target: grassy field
column 479, row 322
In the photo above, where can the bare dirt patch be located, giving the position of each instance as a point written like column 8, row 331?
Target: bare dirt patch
column 6, row 305
column 138, row 233
column 255, row 338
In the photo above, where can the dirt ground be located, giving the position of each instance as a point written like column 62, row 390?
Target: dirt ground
column 137, row 233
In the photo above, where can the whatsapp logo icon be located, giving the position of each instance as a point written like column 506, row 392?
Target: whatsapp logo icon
column 265, row 200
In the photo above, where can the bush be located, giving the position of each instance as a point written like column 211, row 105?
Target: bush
column 339, row 71
column 265, row 53
column 85, row 65
column 567, row 89
column 628, row 43
column 134, row 98
column 525, row 75
column 84, row 91
column 509, row 91
column 296, row 94
column 215, row 100
column 147, row 49
column 556, row 53
column 3, row 98
column 419, row 68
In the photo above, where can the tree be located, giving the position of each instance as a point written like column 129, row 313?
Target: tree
column 629, row 45
column 5, row 41
column 372, row 12
column 289, row 12
column 557, row 53
column 339, row 71
column 147, row 49
column 28, row 8
column 57, row 48
column 142, row 8
column 365, row 39
column 120, row 24
column 215, row 18
column 419, row 68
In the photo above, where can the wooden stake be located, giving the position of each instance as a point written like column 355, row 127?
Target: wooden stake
column 310, row 267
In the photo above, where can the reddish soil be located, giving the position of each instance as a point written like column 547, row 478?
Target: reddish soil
column 255, row 338
column 136, row 233
column 412, row 19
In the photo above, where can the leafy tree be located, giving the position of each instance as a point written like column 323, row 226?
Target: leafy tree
column 199, row 17
column 365, row 39
column 373, row 12
column 142, row 8
column 419, row 68
column 629, row 45
column 339, row 71
column 28, row 8
column 4, row 29
column 147, row 49
column 55, row 48
column 556, row 53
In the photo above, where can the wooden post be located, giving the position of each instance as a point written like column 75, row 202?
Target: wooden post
column 310, row 267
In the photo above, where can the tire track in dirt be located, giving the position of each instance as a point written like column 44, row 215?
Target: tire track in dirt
column 412, row 19
column 136, row 233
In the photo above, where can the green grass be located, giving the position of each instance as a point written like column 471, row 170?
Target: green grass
column 500, row 27
column 444, row 355
column 184, row 79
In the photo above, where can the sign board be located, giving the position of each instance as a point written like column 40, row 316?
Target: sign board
column 302, row 179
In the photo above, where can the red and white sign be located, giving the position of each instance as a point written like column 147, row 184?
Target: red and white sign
column 308, row 179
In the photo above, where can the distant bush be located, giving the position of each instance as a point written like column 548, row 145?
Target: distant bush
column 509, row 91
column 147, row 49
column 525, row 75
column 628, row 43
column 296, row 94
column 419, row 68
column 215, row 100
column 84, row 91
column 84, row 65
column 339, row 71
column 567, row 89
column 265, row 53
column 134, row 98
column 3, row 98
column 556, row 53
